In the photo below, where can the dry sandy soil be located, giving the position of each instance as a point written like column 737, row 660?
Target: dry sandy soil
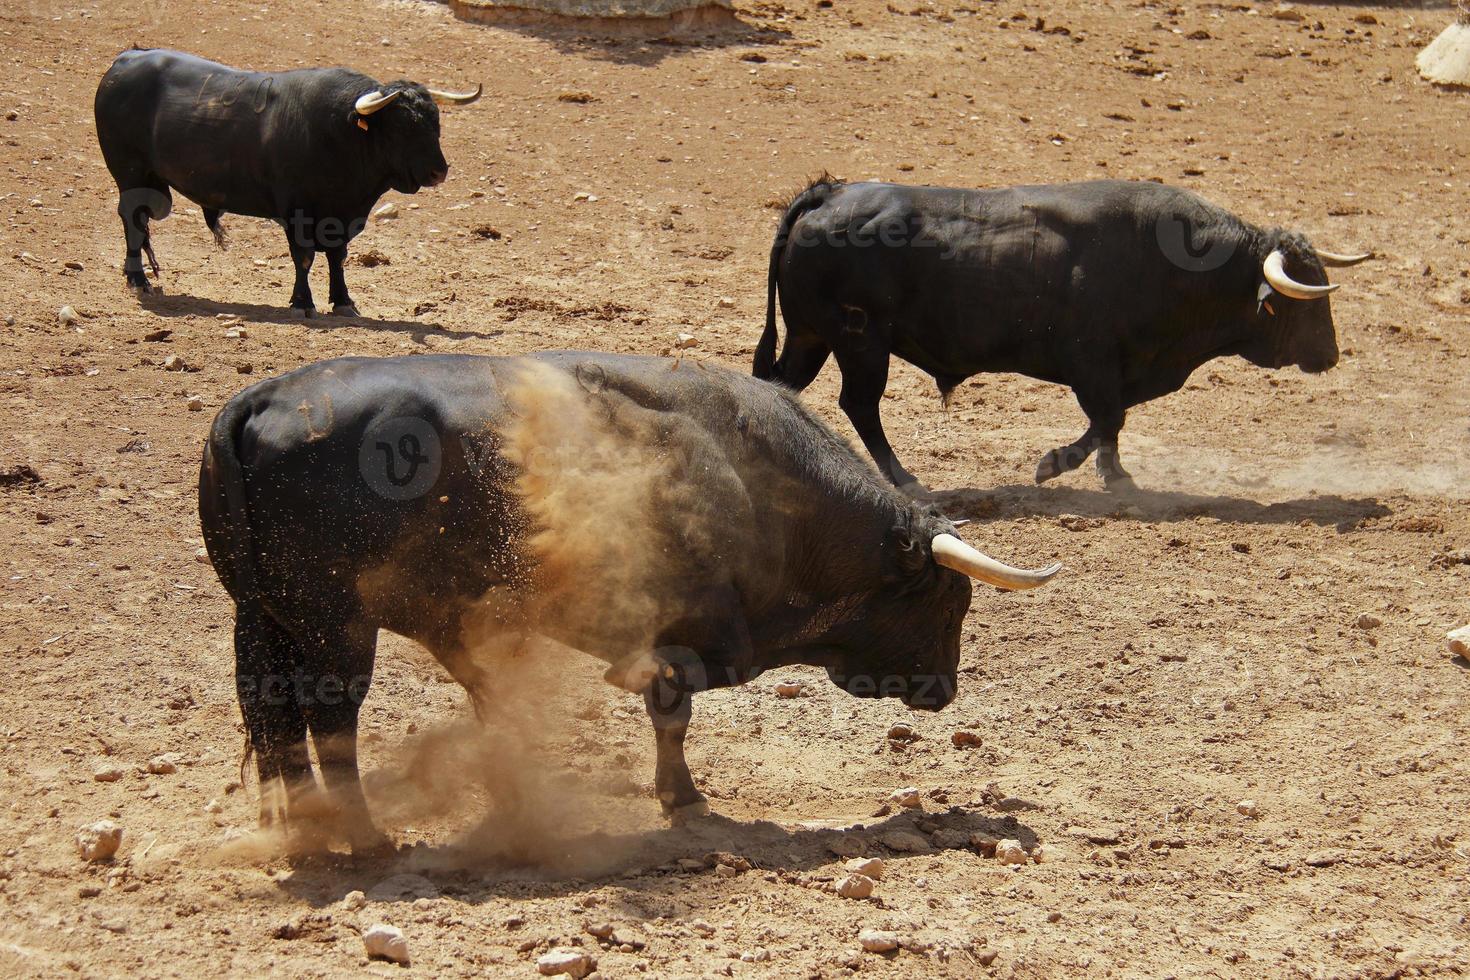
column 1205, row 646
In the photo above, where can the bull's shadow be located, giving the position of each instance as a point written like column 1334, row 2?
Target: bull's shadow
column 1156, row 506
column 166, row 305
column 645, row 866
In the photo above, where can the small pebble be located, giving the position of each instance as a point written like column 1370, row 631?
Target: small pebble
column 99, row 841
column 1367, row 621
column 877, row 941
column 601, row 930
column 201, row 555
column 194, row 404
column 354, row 901
column 870, row 867
column 855, row 886
column 685, row 341
column 107, row 772
column 1248, row 808
column 727, row 303
column 385, row 942
column 964, row 739
column 67, row 316
column 573, row 962
column 903, row 733
column 163, row 765
column 789, row 689
column 386, row 212
column 174, row 362
column 1459, row 641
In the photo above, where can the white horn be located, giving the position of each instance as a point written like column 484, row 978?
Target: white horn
column 375, row 100
column 951, row 552
column 456, row 98
column 1275, row 270
column 1333, row 259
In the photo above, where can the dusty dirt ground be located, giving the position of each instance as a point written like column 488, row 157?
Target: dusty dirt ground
column 1203, row 648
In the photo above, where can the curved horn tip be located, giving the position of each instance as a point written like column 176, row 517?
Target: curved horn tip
column 1274, row 269
column 955, row 554
column 457, row 98
column 1339, row 260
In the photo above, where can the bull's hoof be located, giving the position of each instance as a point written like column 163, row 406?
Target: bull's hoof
column 143, row 287
column 303, row 312
column 1119, row 484
column 677, row 816
column 345, row 309
column 370, row 842
column 1049, row 468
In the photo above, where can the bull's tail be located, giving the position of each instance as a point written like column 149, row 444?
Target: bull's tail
column 224, row 517
column 812, row 196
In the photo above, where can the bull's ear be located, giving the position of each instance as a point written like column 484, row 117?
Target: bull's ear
column 910, row 550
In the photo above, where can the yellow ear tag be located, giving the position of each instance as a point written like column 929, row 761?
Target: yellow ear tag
column 362, row 125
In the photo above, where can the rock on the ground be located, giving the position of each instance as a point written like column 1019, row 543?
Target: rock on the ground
column 67, row 316
column 789, row 689
column 965, row 739
column 385, row 942
column 108, row 772
column 163, row 765
column 386, row 212
column 1248, row 808
column 1010, row 852
column 855, row 886
column 904, row 841
column 1459, row 641
column 906, row 797
column 99, row 841
column 194, row 403
column 871, row 867
column 1367, row 621
column 878, row 941
column 354, row 901
column 573, row 962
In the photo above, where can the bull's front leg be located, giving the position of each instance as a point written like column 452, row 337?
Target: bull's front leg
column 302, row 257
column 669, row 708
column 342, row 304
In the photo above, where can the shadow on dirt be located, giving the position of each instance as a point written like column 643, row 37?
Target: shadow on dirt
column 644, row 52
column 647, row 865
column 173, row 306
column 1154, row 506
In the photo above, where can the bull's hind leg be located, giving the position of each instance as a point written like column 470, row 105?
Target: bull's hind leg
column 265, row 666
column 334, row 679
column 864, row 377
column 801, row 361
column 138, row 203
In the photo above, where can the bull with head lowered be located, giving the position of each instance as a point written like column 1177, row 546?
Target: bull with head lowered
column 311, row 149
column 1119, row 290
column 688, row 526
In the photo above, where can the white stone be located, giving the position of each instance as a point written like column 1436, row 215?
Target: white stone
column 107, row 772
column 906, row 797
column 727, row 303
column 1248, row 808
column 1459, row 641
column 789, row 689
column 67, row 316
column 194, row 403
column 871, row 867
column 855, row 886
column 99, row 841
column 163, row 765
column 385, row 942
column 685, row 341
column 387, row 212
column 573, row 962
column 1010, row 852
column 878, row 941
column 354, row 901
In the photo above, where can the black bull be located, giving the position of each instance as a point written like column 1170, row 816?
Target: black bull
column 1118, row 290
column 412, row 495
column 301, row 148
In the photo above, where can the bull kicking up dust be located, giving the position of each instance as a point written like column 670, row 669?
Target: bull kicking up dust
column 688, row 526
column 1117, row 289
column 311, row 149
